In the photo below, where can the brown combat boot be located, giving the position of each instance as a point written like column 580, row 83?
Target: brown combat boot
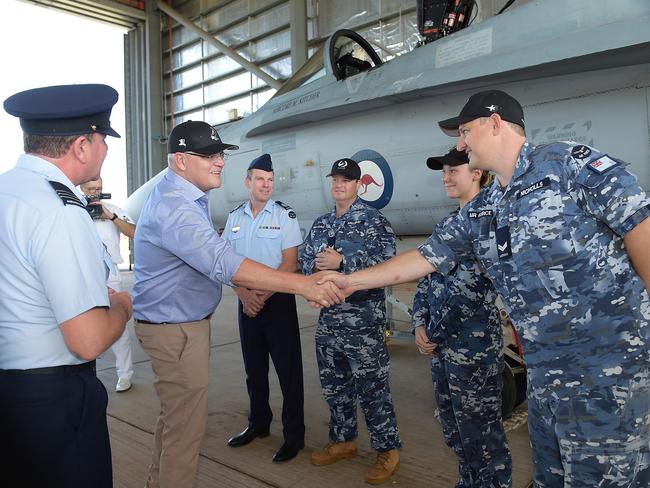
column 333, row 452
column 385, row 465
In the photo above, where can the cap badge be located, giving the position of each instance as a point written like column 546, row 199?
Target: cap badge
column 93, row 127
column 342, row 164
column 214, row 135
column 181, row 142
column 492, row 108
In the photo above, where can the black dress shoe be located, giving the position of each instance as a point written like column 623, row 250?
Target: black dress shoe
column 288, row 451
column 246, row 436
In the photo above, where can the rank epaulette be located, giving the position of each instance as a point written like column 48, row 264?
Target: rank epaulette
column 283, row 205
column 291, row 214
column 238, row 207
column 66, row 194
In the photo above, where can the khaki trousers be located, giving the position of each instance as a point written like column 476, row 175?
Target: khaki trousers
column 179, row 357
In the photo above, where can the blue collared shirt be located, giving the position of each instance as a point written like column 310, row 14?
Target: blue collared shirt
column 180, row 260
column 54, row 266
column 264, row 237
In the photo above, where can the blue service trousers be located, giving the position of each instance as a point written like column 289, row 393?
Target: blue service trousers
column 274, row 332
column 468, row 397
column 53, row 430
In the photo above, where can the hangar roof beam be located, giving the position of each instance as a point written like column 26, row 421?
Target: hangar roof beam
column 231, row 53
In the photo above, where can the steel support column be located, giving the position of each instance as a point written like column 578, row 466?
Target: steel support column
column 298, row 16
column 154, row 92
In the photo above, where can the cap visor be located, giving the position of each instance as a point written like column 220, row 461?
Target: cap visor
column 434, row 164
column 342, row 173
column 109, row 132
column 450, row 126
column 437, row 162
column 234, row 147
column 215, row 148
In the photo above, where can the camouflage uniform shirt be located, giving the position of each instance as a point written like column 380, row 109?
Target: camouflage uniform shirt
column 458, row 311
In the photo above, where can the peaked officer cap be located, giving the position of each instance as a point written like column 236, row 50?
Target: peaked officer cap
column 64, row 110
column 198, row 137
column 484, row 104
column 262, row 162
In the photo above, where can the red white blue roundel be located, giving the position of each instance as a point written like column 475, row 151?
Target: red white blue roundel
column 376, row 178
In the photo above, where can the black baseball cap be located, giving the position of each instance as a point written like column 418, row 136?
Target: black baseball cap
column 454, row 157
column 484, row 104
column 346, row 167
column 64, row 110
column 197, row 137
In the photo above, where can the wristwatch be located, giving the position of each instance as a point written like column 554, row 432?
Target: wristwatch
column 113, row 217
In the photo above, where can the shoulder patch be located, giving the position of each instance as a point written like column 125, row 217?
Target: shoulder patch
column 602, row 164
column 474, row 214
column 292, row 214
column 66, row 195
column 238, row 207
column 284, row 206
column 580, row 151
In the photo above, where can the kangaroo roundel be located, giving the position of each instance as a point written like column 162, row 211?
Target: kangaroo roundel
column 376, row 178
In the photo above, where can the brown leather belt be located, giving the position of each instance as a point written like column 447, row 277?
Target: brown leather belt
column 63, row 369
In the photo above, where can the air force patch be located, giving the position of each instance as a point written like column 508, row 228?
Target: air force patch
column 477, row 215
column 580, row 151
column 602, row 164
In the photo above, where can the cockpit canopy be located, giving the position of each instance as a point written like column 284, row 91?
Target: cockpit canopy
column 347, row 54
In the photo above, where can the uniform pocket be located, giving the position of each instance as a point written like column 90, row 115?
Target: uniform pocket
column 604, row 434
column 541, row 231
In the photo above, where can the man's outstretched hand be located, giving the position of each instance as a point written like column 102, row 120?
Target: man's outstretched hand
column 338, row 281
column 322, row 293
column 341, row 280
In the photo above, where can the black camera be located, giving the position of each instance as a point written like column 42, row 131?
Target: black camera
column 95, row 211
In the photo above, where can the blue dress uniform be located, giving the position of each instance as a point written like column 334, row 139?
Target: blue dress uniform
column 274, row 331
column 459, row 314
column 53, row 427
column 552, row 244
column 350, row 339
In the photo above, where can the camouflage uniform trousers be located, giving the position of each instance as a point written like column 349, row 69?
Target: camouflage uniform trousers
column 353, row 363
column 468, row 398
column 563, row 422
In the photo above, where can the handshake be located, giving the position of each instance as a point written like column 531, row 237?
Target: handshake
column 327, row 288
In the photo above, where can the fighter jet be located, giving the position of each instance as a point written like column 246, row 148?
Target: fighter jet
column 581, row 69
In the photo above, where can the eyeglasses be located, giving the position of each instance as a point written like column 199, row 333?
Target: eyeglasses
column 209, row 157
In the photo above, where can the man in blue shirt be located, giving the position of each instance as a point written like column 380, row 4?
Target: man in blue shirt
column 56, row 314
column 267, row 231
column 181, row 263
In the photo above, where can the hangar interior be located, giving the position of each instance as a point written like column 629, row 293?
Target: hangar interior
column 220, row 60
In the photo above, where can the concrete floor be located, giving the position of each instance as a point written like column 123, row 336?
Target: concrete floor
column 425, row 460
